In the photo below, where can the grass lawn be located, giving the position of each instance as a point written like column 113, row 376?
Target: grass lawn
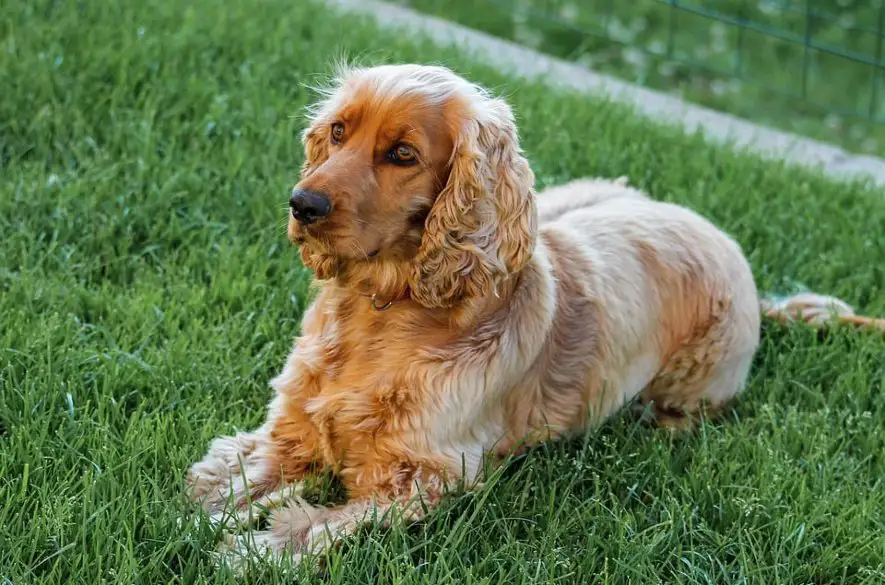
column 746, row 57
column 147, row 295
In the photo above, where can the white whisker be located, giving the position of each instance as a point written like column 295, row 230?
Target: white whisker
column 359, row 249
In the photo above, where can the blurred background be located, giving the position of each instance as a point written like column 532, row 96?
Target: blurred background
column 814, row 67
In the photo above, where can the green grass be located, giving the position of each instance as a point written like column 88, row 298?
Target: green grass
column 701, row 51
column 147, row 295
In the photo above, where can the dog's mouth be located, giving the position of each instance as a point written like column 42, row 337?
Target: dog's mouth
column 312, row 241
column 307, row 234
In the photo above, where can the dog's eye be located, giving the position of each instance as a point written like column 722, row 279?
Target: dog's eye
column 402, row 154
column 337, row 132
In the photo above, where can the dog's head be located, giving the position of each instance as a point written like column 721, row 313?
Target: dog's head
column 414, row 177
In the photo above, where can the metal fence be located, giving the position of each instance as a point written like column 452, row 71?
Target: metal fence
column 814, row 66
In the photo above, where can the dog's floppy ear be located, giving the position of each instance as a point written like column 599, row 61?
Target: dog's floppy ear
column 482, row 226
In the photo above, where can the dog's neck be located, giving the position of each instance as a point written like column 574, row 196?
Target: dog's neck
column 383, row 286
column 381, row 303
column 383, row 280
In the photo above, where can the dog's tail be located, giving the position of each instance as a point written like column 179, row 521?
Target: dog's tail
column 816, row 310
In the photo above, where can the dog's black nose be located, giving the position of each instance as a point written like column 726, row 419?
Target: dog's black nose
column 309, row 206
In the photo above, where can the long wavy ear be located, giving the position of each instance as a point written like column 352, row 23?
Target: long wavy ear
column 482, row 226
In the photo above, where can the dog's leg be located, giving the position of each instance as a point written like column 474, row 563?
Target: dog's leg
column 266, row 462
column 235, row 470
column 707, row 371
column 298, row 528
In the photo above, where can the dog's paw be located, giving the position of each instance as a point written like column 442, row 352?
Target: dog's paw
column 291, row 525
column 232, row 468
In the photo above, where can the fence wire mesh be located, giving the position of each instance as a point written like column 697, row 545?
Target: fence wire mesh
column 812, row 66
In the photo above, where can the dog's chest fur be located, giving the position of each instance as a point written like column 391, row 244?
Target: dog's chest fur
column 357, row 394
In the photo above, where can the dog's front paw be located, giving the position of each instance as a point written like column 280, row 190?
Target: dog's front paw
column 291, row 526
column 233, row 467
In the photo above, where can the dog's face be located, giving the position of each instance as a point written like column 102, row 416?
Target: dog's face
column 383, row 162
column 413, row 178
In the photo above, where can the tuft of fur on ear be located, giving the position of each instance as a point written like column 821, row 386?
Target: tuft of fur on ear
column 482, row 226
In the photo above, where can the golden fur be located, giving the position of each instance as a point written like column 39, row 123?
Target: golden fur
column 512, row 318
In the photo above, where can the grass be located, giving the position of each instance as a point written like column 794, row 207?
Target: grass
column 746, row 57
column 147, row 295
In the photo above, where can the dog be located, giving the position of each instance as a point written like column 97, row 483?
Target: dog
column 460, row 318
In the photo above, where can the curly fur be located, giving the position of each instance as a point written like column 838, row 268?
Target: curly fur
column 482, row 226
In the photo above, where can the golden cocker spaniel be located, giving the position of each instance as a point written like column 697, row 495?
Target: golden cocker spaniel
column 459, row 316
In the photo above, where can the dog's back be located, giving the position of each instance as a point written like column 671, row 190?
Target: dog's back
column 679, row 301
column 558, row 200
